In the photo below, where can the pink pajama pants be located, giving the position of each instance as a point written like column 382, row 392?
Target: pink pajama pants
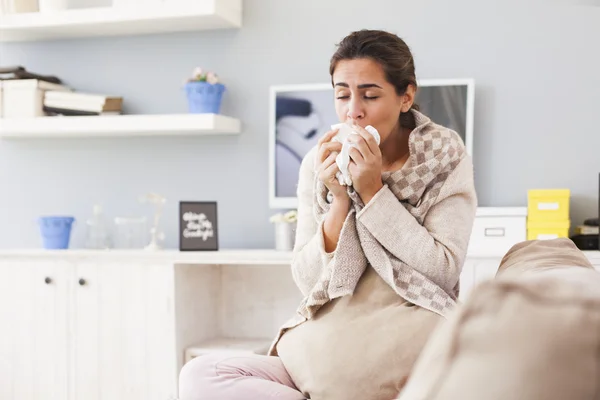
column 230, row 376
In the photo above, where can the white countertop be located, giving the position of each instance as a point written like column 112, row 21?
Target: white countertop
column 225, row 256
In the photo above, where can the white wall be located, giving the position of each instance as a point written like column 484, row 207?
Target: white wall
column 538, row 90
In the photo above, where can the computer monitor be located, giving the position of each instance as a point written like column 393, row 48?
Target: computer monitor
column 300, row 114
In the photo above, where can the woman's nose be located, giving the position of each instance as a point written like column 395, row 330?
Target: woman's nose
column 355, row 110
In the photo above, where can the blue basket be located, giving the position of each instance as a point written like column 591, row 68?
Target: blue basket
column 204, row 97
column 56, row 231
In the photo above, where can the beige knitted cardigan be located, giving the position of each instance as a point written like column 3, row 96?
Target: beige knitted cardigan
column 414, row 232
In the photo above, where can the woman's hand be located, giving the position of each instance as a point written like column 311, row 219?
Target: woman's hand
column 326, row 166
column 365, row 165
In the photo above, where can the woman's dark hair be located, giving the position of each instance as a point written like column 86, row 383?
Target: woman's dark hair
column 391, row 52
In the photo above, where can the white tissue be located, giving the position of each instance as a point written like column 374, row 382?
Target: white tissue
column 343, row 158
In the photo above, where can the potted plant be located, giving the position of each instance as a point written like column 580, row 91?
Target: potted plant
column 204, row 92
column 285, row 230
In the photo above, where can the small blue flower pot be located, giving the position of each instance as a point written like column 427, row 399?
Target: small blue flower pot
column 56, row 231
column 204, row 97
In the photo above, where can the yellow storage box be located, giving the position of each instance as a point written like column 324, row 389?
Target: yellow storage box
column 548, row 204
column 544, row 230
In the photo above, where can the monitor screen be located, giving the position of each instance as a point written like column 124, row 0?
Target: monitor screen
column 301, row 114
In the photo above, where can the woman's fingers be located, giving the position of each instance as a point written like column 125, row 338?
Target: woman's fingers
column 328, row 148
column 368, row 139
column 327, row 137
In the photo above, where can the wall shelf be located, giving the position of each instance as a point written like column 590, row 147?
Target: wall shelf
column 111, row 21
column 118, row 126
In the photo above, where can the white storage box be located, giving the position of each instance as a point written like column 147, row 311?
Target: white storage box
column 24, row 98
column 496, row 230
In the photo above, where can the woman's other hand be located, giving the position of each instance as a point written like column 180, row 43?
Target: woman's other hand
column 365, row 164
column 327, row 167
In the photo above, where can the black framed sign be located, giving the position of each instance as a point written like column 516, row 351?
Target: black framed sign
column 198, row 226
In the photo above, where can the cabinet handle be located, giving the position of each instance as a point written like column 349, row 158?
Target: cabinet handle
column 494, row 232
column 48, row 280
column 81, row 282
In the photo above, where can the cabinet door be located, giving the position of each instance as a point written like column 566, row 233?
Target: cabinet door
column 486, row 269
column 124, row 332
column 33, row 334
column 467, row 279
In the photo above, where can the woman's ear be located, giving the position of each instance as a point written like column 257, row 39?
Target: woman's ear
column 408, row 98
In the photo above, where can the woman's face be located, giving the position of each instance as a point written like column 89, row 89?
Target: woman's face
column 363, row 94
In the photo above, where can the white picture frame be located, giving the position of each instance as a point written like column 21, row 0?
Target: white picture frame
column 291, row 202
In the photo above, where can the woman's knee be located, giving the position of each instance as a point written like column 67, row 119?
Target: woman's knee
column 194, row 377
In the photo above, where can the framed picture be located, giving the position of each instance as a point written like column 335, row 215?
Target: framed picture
column 300, row 114
column 198, row 229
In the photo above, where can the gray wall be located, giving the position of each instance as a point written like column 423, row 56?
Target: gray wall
column 536, row 69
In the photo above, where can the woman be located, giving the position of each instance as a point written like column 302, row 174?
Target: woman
column 378, row 261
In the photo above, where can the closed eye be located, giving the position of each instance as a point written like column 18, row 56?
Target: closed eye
column 365, row 97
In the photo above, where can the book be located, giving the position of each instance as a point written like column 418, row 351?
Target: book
column 54, row 111
column 78, row 101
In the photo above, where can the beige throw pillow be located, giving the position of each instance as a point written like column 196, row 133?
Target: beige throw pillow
column 359, row 347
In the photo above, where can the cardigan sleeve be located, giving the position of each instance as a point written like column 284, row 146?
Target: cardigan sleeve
column 437, row 248
column 310, row 260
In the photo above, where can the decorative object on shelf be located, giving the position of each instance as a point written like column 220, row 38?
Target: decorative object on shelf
column 198, row 229
column 130, row 233
column 204, row 92
column 98, row 230
column 155, row 235
column 285, row 230
column 56, row 231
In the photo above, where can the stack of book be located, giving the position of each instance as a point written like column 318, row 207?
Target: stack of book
column 77, row 103
column 586, row 235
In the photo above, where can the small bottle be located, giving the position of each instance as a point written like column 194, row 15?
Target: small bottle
column 98, row 232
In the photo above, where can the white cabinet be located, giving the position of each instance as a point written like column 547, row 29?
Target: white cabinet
column 476, row 270
column 33, row 330
column 95, row 325
column 87, row 330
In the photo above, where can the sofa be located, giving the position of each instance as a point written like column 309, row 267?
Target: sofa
column 531, row 333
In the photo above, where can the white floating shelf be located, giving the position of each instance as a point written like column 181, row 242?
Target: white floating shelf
column 118, row 126
column 112, row 21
